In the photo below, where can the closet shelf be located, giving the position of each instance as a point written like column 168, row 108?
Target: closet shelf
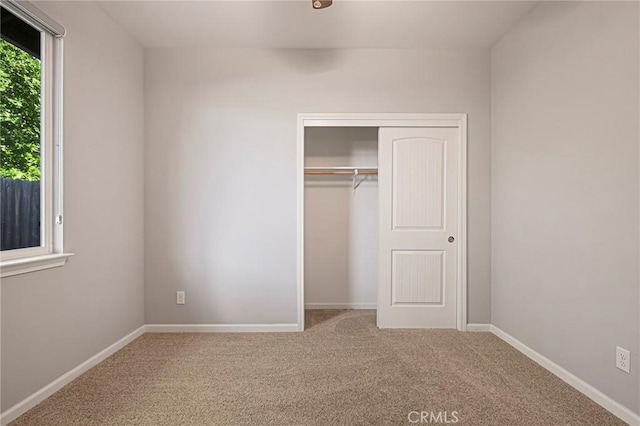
column 351, row 171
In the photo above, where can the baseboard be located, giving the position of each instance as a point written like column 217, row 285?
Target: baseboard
column 340, row 306
column 220, row 328
column 600, row 398
column 31, row 401
column 479, row 327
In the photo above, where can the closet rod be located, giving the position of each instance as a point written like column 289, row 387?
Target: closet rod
column 340, row 171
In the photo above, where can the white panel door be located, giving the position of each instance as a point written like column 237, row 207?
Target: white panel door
column 418, row 204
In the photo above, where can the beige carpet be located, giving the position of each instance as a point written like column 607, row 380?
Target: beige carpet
column 341, row 371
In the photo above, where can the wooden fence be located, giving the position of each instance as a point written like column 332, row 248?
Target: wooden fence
column 19, row 214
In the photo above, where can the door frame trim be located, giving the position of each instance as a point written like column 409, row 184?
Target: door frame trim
column 458, row 121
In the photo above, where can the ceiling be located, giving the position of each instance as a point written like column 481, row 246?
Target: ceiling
column 295, row 24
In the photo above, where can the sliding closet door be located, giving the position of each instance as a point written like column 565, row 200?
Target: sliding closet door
column 418, row 218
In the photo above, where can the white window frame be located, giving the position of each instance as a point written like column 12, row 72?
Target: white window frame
column 50, row 253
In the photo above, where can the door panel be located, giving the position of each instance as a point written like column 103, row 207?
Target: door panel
column 417, row 277
column 418, row 210
column 418, row 183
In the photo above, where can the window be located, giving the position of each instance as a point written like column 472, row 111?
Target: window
column 30, row 140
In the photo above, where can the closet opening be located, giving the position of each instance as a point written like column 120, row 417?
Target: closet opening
column 382, row 218
column 340, row 220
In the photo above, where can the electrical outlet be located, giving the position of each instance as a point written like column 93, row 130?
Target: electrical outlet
column 623, row 359
column 180, row 298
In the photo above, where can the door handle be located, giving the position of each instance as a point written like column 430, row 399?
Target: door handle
column 451, row 239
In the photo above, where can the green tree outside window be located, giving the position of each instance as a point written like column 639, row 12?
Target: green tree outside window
column 19, row 113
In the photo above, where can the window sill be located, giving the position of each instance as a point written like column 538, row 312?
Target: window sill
column 12, row 267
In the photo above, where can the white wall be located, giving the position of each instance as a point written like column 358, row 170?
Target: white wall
column 340, row 224
column 55, row 319
column 220, row 170
column 565, row 189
